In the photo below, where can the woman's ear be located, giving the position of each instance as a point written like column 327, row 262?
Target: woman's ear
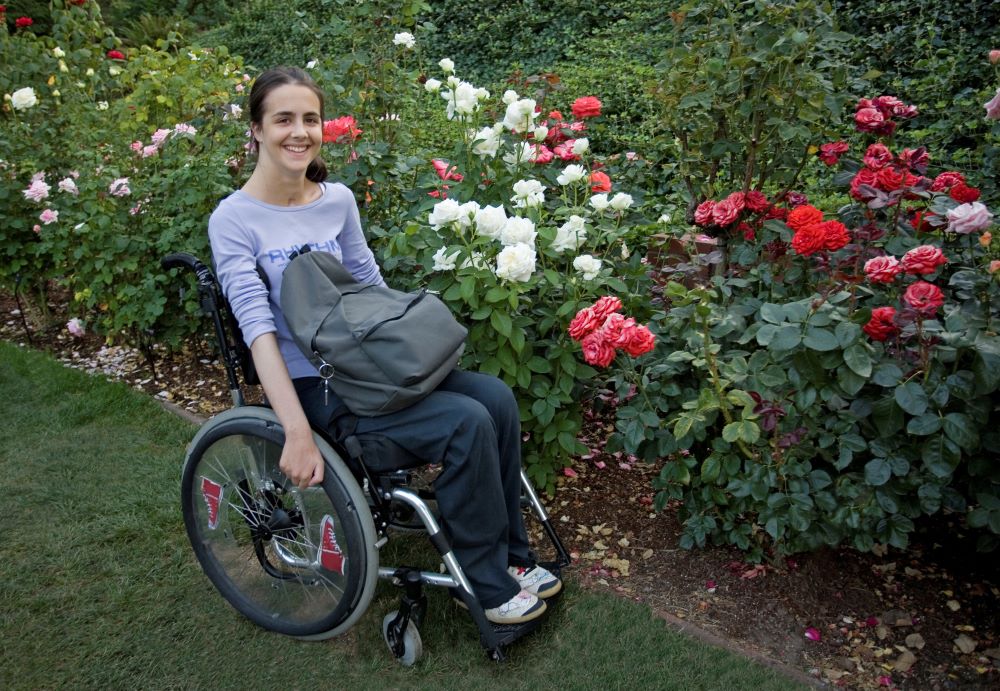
column 255, row 131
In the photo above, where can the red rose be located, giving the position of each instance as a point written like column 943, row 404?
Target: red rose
column 882, row 269
column 77, row 2
column 887, row 104
column 776, row 212
column 889, row 179
column 555, row 115
column 809, row 240
column 340, row 128
column 865, row 176
column 947, row 180
column 963, row 194
column 116, row 55
column 923, row 260
column 878, row 156
column 747, row 230
column 597, row 351
column 915, row 159
column 3, row 9
column 586, row 107
column 756, row 201
column 882, row 324
column 726, row 211
column 802, row 216
column 870, row 120
column 830, row 153
column 738, row 200
column 605, row 306
column 924, row 298
column 921, row 221
column 614, row 326
column 22, row 22
column 835, row 234
column 583, row 323
column 703, row 214
column 640, row 340
column 599, row 182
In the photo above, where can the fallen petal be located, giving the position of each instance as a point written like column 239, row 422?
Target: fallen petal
column 885, row 680
column 813, row 634
column 569, row 472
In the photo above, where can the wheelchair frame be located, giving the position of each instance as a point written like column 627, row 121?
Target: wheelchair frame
column 378, row 498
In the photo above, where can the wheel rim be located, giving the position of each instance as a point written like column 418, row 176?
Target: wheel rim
column 281, row 555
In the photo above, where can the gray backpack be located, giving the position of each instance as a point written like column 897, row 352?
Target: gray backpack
column 379, row 349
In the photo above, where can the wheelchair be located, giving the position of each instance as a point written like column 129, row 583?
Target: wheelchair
column 305, row 562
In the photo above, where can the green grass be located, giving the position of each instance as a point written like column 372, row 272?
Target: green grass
column 101, row 590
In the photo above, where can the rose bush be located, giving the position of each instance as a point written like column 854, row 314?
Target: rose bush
column 836, row 379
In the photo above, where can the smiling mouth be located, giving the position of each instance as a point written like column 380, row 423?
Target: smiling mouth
column 297, row 149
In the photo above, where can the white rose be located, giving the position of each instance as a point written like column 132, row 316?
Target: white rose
column 445, row 212
column 518, row 231
column 452, row 81
column 522, row 152
column 443, row 261
column 463, row 101
column 482, row 94
column 969, row 218
column 581, row 146
column 520, row 115
column 90, row 72
column 114, row 70
column 509, row 96
column 432, row 85
column 570, row 235
column 22, row 99
column 664, row 218
column 58, row 52
column 311, row 64
column 490, row 221
column 62, row 66
column 476, row 261
column 621, row 201
column 625, row 253
column 102, row 105
column 516, row 263
column 572, row 173
column 540, row 133
column 446, row 65
column 405, row 39
column 467, row 214
column 486, row 142
column 528, row 193
column 587, row 265
column 599, row 202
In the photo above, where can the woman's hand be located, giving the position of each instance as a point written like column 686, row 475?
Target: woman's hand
column 301, row 461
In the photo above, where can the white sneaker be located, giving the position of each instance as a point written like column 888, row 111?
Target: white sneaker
column 521, row 608
column 536, row 580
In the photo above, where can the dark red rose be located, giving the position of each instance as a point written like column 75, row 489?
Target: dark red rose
column 830, row 153
column 878, row 156
column 924, row 297
column 865, row 176
column 882, row 325
column 835, row 235
column 22, row 22
column 756, row 201
column 921, row 221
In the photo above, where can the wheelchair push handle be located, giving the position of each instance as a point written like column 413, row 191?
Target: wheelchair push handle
column 183, row 260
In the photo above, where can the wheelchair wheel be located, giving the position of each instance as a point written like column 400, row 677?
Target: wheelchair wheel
column 413, row 647
column 298, row 562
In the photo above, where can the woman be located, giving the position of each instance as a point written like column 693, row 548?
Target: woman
column 470, row 424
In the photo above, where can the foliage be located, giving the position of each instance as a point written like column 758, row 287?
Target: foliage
column 804, row 399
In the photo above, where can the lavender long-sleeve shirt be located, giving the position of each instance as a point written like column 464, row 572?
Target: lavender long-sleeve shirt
column 245, row 232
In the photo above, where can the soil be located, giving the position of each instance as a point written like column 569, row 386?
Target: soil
column 923, row 618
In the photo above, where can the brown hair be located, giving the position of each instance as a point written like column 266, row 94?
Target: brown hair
column 272, row 79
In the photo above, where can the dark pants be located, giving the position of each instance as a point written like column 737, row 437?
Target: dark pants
column 469, row 424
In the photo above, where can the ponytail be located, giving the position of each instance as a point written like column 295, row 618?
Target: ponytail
column 316, row 172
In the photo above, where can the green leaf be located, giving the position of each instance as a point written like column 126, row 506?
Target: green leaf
column 501, row 322
column 857, row 358
column 710, row 469
column 819, row 339
column 912, row 398
column 877, row 472
column 960, row 429
column 921, row 426
column 788, row 337
column 540, row 365
column 888, row 417
column 887, row 374
column 772, row 313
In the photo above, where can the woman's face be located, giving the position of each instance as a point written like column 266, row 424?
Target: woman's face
column 290, row 133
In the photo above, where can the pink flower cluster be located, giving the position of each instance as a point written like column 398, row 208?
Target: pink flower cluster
column 876, row 115
column 919, row 261
column 890, row 174
column 601, row 330
column 742, row 211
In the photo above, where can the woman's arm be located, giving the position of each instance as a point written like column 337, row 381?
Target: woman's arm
column 300, row 460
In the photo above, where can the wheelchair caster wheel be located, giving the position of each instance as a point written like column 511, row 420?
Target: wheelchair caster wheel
column 412, row 647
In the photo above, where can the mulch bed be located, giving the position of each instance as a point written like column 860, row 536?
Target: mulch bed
column 924, row 618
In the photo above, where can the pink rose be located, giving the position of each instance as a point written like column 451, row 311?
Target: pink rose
column 726, row 211
column 946, row 180
column 923, row 260
column 597, row 351
column 564, row 151
column 703, row 214
column 924, row 297
column 444, row 171
column 969, row 218
column 584, row 323
column 993, row 107
column 994, row 56
column 75, row 327
column 882, row 269
column 615, row 325
column 48, row 216
column 541, row 154
column 878, row 156
column 148, row 151
column 994, row 265
column 605, row 306
column 870, row 120
column 136, row 146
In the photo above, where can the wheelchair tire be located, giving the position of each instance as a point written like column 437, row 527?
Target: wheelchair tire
column 299, row 562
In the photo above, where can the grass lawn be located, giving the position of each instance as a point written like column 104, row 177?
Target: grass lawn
column 101, row 590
